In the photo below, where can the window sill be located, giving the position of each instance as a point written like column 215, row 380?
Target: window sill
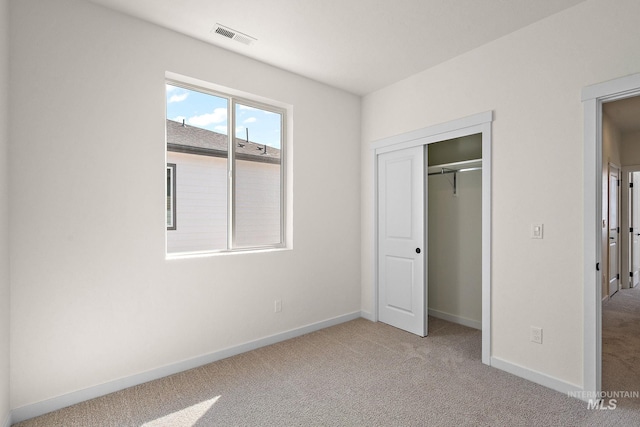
column 207, row 254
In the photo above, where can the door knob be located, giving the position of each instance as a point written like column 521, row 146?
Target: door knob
column 417, row 250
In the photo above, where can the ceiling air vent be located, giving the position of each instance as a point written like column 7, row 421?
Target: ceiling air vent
column 233, row 34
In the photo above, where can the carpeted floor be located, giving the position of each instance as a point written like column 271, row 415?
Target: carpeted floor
column 355, row 374
column 621, row 341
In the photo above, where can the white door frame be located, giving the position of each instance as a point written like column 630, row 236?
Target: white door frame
column 592, row 98
column 470, row 125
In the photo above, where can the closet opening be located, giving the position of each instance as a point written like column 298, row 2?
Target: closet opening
column 432, row 253
column 454, row 230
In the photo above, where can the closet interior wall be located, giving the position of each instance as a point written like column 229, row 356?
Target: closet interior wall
column 455, row 230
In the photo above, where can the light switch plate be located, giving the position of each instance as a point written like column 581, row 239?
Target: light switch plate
column 537, row 231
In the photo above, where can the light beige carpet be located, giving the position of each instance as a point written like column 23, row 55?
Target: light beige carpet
column 355, row 374
column 621, row 342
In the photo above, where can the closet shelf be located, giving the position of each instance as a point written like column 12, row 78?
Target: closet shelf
column 455, row 166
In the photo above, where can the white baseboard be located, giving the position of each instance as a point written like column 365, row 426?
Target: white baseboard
column 45, row 406
column 535, row 376
column 367, row 315
column 456, row 319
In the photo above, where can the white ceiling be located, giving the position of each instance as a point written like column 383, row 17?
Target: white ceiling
column 356, row 45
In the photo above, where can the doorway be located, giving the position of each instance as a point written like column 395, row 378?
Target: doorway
column 594, row 98
column 620, row 308
column 404, row 297
column 454, row 183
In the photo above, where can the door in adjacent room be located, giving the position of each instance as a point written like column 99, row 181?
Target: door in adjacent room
column 614, row 230
column 634, row 221
column 401, row 240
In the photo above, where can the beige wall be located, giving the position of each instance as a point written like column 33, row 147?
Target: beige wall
column 4, row 212
column 455, row 246
column 611, row 143
column 532, row 79
column 611, row 149
column 630, row 150
column 93, row 297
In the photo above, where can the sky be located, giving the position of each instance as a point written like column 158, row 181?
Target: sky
column 210, row 112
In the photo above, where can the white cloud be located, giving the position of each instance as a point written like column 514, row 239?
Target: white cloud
column 219, row 115
column 245, row 107
column 221, row 129
column 250, row 120
column 178, row 98
column 170, row 88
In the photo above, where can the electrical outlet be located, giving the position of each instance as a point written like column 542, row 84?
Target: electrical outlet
column 277, row 306
column 536, row 335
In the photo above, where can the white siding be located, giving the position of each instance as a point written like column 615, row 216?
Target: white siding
column 201, row 203
column 257, row 203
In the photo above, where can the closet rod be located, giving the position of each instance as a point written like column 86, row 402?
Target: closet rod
column 445, row 170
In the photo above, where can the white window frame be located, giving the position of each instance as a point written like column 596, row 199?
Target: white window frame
column 235, row 97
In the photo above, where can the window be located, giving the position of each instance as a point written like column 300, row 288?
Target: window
column 230, row 152
column 171, row 196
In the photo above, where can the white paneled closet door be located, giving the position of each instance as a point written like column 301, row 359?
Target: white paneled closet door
column 402, row 247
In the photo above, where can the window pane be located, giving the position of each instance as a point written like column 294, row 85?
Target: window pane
column 258, row 183
column 197, row 143
column 171, row 200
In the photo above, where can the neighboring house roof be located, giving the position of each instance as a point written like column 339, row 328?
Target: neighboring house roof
column 190, row 139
